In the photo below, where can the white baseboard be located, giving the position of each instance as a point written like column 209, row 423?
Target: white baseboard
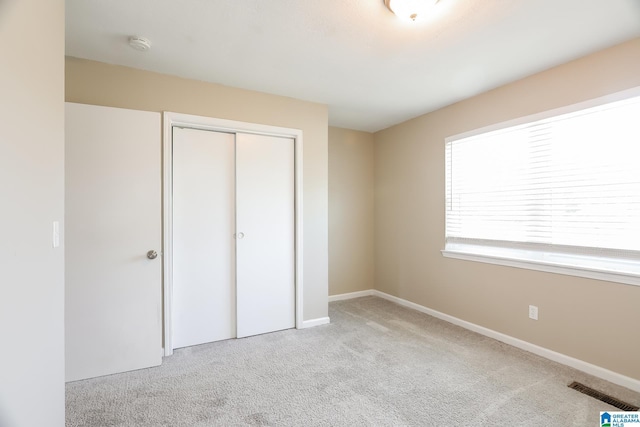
column 596, row 371
column 314, row 322
column 351, row 295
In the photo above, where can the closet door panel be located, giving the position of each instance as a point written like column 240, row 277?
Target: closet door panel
column 265, row 245
column 203, row 245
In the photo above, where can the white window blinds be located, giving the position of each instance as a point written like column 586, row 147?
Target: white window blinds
column 569, row 184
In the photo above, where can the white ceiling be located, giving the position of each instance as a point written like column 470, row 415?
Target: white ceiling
column 371, row 69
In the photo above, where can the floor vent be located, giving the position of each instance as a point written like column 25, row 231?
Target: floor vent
column 602, row 397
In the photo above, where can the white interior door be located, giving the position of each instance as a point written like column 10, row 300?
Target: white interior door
column 112, row 218
column 265, row 247
column 204, row 300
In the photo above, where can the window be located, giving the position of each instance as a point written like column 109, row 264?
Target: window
column 558, row 192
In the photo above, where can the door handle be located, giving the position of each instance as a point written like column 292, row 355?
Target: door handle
column 152, row 254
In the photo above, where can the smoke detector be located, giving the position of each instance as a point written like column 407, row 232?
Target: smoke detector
column 139, row 43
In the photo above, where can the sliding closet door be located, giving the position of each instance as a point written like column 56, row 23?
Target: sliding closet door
column 265, row 250
column 204, row 302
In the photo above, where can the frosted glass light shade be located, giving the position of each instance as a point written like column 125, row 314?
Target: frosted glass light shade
column 409, row 9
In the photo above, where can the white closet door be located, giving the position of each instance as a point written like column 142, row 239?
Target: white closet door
column 265, row 249
column 204, row 298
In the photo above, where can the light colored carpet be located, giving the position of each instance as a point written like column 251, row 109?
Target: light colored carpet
column 376, row 364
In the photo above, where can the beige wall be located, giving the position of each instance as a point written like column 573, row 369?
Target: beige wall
column 32, row 189
column 97, row 83
column 351, row 242
column 581, row 318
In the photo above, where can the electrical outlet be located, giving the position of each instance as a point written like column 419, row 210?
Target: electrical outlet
column 533, row 312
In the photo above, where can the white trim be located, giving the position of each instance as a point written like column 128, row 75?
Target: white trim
column 299, row 247
column 222, row 125
column 351, row 295
column 596, row 371
column 315, row 322
column 167, row 234
column 543, row 266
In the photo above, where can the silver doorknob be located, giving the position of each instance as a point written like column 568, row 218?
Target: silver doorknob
column 152, row 254
column 240, row 235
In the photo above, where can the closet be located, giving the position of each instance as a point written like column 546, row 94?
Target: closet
column 233, row 234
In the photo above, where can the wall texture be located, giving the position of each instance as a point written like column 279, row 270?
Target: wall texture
column 90, row 82
column 582, row 318
column 32, row 189
column 351, row 208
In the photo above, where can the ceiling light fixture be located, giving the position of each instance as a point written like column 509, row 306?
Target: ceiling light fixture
column 409, row 9
column 139, row 43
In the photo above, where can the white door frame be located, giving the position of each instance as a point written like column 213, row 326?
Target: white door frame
column 207, row 123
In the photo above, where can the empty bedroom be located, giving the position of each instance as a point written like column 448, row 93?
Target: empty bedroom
column 304, row 213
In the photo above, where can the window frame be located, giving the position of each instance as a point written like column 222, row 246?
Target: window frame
column 612, row 268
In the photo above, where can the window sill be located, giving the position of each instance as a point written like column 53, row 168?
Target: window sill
column 591, row 267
